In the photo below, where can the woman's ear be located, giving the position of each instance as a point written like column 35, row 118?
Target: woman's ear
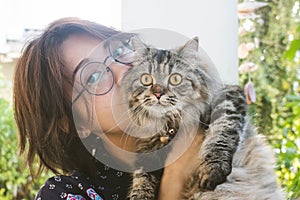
column 63, row 124
column 83, row 132
column 83, row 115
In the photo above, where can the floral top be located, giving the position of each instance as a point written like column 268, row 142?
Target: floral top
column 110, row 184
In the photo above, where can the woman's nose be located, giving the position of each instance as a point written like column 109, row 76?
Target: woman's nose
column 118, row 69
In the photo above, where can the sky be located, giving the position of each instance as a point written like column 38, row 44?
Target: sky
column 16, row 15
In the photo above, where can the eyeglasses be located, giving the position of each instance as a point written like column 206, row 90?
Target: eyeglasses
column 96, row 77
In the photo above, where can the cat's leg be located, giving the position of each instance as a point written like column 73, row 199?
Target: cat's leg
column 222, row 138
column 143, row 186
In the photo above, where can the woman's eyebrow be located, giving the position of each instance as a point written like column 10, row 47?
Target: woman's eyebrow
column 80, row 65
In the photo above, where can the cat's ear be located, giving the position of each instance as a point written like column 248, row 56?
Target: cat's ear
column 191, row 45
column 190, row 49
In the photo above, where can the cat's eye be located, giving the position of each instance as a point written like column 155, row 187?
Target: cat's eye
column 146, row 79
column 175, row 79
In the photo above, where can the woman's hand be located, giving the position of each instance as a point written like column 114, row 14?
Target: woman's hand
column 176, row 174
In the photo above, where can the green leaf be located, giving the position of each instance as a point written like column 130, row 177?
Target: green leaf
column 291, row 52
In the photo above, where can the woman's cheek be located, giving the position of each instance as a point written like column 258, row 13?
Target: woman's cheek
column 107, row 108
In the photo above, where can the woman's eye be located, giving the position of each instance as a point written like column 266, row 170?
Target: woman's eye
column 146, row 79
column 175, row 79
column 123, row 52
column 93, row 78
column 118, row 52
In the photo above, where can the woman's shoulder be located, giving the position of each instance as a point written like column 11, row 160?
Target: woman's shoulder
column 73, row 187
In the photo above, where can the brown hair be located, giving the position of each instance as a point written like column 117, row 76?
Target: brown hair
column 42, row 108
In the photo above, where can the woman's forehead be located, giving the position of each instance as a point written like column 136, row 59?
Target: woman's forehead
column 78, row 47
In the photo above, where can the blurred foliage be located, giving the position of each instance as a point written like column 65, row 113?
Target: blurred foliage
column 277, row 108
column 15, row 179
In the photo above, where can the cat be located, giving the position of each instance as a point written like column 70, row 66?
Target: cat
column 166, row 90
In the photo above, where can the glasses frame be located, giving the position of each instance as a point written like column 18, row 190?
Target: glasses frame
column 107, row 68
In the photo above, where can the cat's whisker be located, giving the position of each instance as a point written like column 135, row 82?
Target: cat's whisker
column 185, row 131
column 138, row 115
column 119, row 122
column 188, row 136
column 116, row 104
column 124, row 138
column 117, row 125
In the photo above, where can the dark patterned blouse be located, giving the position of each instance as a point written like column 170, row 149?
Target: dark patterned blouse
column 108, row 184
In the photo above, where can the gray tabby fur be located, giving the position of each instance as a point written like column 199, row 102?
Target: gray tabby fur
column 200, row 100
column 252, row 177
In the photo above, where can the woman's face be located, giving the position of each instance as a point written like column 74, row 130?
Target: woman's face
column 74, row 49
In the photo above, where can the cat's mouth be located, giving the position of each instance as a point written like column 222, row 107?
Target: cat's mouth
column 149, row 113
column 157, row 111
column 152, row 107
column 160, row 108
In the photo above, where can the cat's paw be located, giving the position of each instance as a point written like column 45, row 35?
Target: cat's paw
column 212, row 175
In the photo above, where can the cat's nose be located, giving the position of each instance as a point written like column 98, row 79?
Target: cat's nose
column 158, row 90
column 158, row 94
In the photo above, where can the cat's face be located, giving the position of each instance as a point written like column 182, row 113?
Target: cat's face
column 165, row 81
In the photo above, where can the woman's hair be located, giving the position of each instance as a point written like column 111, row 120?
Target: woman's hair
column 43, row 110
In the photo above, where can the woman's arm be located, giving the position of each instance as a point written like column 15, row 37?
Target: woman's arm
column 176, row 174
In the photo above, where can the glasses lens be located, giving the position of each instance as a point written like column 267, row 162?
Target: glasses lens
column 96, row 78
column 121, row 49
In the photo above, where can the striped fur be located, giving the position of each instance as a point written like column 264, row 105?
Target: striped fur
column 198, row 100
column 252, row 176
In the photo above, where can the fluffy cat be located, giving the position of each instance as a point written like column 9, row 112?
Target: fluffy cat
column 169, row 91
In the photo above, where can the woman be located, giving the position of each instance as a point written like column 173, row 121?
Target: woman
column 66, row 123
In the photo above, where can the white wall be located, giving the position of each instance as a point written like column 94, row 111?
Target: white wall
column 215, row 22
